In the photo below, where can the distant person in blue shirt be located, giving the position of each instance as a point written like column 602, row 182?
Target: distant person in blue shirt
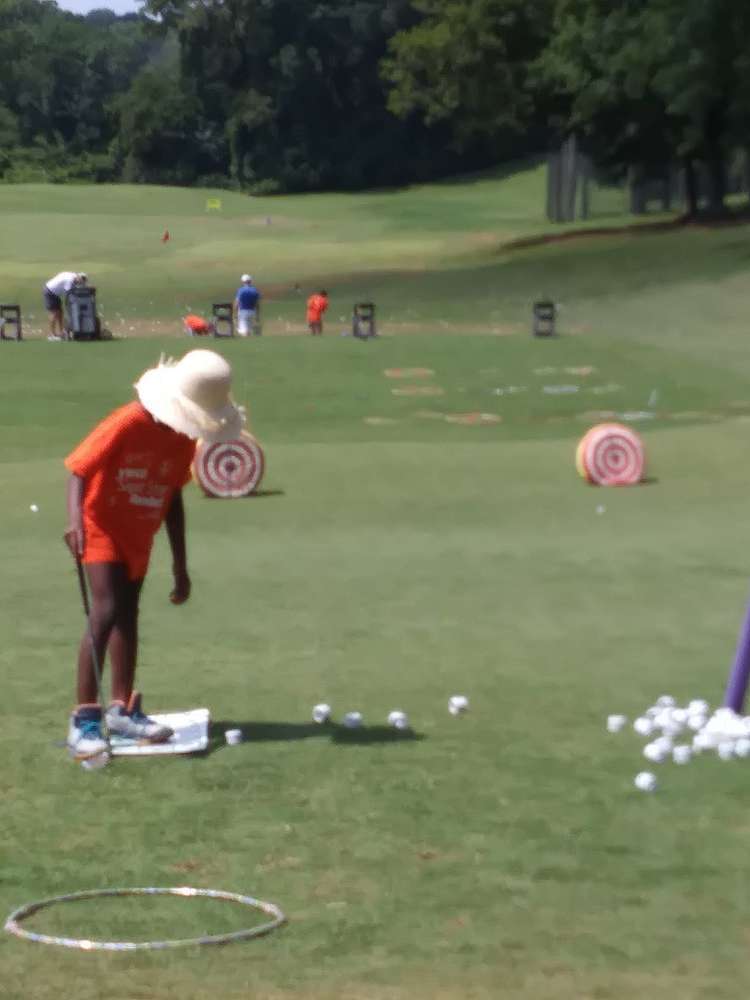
column 247, row 307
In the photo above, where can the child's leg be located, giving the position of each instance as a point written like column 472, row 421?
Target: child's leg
column 107, row 581
column 123, row 641
column 125, row 716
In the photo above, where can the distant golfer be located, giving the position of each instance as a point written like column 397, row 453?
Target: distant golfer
column 126, row 479
column 247, row 306
column 197, row 326
column 316, row 306
column 55, row 291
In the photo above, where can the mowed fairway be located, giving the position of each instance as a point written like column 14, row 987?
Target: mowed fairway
column 395, row 558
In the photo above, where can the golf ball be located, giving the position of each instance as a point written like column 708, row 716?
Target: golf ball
column 645, row 781
column 643, row 726
column 663, row 718
column 681, row 754
column 664, row 743
column 703, row 741
column 34, row 509
column 655, row 753
column 457, row 704
column 96, row 763
column 321, row 713
column 742, row 747
column 353, row 720
column 725, row 750
column 672, row 729
column 233, row 736
column 698, row 707
column 615, row 723
column 398, row 719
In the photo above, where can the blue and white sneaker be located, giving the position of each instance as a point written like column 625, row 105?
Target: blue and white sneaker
column 131, row 723
column 85, row 739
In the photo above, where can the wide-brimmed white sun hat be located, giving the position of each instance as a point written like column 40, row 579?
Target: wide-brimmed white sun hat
column 193, row 396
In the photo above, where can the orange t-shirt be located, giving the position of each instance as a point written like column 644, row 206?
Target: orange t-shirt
column 316, row 306
column 132, row 467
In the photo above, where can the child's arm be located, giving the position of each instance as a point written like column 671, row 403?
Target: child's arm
column 175, row 522
column 74, row 537
column 98, row 447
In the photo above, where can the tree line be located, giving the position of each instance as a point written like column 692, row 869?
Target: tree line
column 292, row 95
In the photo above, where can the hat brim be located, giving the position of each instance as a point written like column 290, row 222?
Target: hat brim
column 158, row 393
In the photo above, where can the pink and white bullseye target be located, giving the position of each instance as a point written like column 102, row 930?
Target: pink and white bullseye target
column 611, row 455
column 229, row 469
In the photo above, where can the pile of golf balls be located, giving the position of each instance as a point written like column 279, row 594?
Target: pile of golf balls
column 678, row 733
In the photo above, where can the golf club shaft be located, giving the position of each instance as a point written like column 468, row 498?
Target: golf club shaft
column 92, row 643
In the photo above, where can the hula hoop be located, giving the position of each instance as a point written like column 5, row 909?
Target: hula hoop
column 13, row 923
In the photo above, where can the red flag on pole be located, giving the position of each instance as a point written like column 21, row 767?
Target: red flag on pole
column 165, row 236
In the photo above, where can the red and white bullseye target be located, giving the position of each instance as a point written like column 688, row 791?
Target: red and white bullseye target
column 611, row 455
column 229, row 469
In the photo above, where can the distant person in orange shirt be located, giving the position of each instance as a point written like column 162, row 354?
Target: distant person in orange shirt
column 316, row 306
column 126, row 479
column 197, row 326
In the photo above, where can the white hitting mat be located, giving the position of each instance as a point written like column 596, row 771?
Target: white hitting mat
column 190, row 735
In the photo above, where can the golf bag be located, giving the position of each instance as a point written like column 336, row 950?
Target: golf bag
column 82, row 323
column 223, row 323
column 363, row 320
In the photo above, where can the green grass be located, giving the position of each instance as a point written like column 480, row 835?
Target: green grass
column 390, row 565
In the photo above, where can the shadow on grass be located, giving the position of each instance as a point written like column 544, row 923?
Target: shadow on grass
column 250, row 496
column 263, row 732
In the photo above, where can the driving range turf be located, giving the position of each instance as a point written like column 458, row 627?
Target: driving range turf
column 394, row 558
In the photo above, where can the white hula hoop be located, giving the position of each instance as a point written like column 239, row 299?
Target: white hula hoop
column 13, row 923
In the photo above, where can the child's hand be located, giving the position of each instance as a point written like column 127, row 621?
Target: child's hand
column 181, row 590
column 74, row 539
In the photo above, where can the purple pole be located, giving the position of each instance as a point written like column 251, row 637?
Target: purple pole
column 734, row 696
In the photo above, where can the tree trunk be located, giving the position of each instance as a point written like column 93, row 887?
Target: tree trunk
column 691, row 187
column 637, row 191
column 717, row 178
column 718, row 183
column 585, row 191
column 666, row 195
column 553, row 187
column 570, row 159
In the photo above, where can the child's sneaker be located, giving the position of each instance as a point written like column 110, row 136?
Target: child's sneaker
column 132, row 724
column 85, row 738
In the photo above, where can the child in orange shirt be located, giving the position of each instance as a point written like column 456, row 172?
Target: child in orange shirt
column 126, row 479
column 197, row 326
column 316, row 306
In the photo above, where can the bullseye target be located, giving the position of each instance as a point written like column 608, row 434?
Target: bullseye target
column 611, row 455
column 229, row 469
